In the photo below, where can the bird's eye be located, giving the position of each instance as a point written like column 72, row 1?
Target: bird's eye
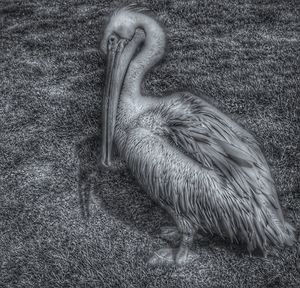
column 112, row 39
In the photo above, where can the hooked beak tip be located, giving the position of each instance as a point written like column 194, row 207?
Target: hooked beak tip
column 105, row 163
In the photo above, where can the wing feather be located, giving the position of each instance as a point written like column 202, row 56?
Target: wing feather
column 216, row 143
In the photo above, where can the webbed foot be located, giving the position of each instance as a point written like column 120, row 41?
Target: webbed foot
column 184, row 256
column 164, row 256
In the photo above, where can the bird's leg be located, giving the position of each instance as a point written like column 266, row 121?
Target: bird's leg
column 184, row 254
column 169, row 233
column 166, row 255
column 163, row 256
column 187, row 230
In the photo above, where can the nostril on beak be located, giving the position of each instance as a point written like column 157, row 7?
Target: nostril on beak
column 112, row 39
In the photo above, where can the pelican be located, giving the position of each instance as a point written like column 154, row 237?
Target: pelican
column 205, row 170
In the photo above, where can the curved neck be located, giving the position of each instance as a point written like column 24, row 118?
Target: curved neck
column 151, row 53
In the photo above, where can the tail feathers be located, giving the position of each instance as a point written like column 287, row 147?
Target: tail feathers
column 281, row 235
column 290, row 238
column 273, row 231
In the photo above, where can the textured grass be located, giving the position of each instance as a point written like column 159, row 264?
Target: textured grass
column 243, row 55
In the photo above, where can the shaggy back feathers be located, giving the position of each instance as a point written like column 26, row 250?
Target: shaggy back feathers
column 247, row 207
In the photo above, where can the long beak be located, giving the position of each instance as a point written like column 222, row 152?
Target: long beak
column 119, row 57
column 114, row 80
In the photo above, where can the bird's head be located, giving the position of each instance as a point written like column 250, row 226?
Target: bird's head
column 121, row 27
column 121, row 40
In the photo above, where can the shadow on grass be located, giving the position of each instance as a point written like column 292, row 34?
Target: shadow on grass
column 87, row 151
column 115, row 191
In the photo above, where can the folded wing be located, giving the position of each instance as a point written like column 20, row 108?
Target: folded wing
column 213, row 140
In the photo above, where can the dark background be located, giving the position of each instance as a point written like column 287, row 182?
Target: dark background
column 244, row 55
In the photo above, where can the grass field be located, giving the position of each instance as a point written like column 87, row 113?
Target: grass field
column 244, row 55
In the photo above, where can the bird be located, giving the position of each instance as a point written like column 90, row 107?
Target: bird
column 203, row 168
